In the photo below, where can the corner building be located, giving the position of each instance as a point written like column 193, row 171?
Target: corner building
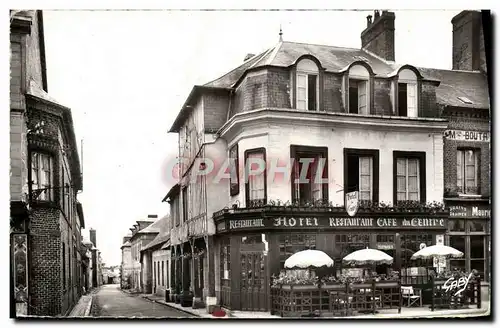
column 377, row 126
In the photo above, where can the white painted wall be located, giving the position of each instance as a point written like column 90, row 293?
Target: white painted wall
column 277, row 138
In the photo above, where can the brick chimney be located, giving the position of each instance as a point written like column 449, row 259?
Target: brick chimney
column 92, row 233
column 468, row 42
column 378, row 36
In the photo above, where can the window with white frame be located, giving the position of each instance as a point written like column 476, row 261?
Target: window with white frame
column 358, row 90
column 256, row 185
column 361, row 171
column 407, row 94
column 307, row 81
column 42, row 175
column 468, row 171
column 408, row 179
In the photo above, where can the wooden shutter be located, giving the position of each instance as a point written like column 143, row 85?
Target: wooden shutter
column 366, row 178
column 301, row 91
column 411, row 91
column 362, row 100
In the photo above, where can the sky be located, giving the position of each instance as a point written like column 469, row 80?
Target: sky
column 126, row 74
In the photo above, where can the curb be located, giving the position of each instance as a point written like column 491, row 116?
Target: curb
column 89, row 306
column 172, row 307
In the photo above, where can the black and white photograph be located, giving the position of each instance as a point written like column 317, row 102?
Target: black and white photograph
column 197, row 163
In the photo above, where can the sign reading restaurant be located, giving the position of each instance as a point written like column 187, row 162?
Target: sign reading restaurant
column 463, row 135
column 337, row 222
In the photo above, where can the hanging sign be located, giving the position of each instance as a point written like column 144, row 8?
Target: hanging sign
column 351, row 203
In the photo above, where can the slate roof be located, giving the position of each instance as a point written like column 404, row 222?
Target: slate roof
column 152, row 228
column 163, row 235
column 453, row 84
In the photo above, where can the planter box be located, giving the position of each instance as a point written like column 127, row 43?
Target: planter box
column 298, row 287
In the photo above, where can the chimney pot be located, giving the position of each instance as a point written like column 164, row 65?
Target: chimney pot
column 152, row 216
column 368, row 20
column 377, row 14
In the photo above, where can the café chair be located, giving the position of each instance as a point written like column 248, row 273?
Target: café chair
column 412, row 295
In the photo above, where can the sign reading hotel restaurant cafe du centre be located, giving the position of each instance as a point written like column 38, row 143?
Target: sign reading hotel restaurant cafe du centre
column 346, row 222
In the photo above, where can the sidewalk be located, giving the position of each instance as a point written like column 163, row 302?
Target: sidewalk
column 82, row 308
column 406, row 313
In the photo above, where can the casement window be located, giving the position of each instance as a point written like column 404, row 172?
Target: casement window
column 358, row 96
column 468, row 171
column 307, row 81
column 309, row 174
column 358, row 90
column 234, row 178
column 361, row 170
column 256, row 193
column 407, row 104
column 407, row 98
column 409, row 176
column 42, row 175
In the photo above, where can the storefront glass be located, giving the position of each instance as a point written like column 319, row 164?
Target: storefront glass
column 293, row 243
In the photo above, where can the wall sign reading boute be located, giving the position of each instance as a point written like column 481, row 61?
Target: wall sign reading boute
column 342, row 222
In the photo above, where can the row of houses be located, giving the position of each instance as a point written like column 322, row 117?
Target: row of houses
column 51, row 264
column 414, row 143
column 145, row 263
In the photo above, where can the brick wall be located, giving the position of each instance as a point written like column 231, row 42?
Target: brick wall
column 332, row 94
column 450, row 153
column 378, row 38
column 215, row 108
column 468, row 41
column 382, row 97
column 427, row 103
column 278, row 88
column 45, row 262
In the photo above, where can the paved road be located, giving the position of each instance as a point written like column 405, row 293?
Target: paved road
column 110, row 301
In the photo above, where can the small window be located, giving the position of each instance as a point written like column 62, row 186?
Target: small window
column 358, row 91
column 42, row 175
column 468, row 171
column 407, row 99
column 256, row 183
column 308, row 182
column 307, row 90
column 361, row 169
column 409, row 176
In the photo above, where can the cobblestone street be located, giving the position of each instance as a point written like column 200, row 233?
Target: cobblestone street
column 110, row 301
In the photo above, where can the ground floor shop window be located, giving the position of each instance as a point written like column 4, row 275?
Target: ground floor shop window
column 412, row 243
column 348, row 243
column 293, row 243
column 471, row 237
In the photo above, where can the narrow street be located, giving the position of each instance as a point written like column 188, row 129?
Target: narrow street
column 110, row 301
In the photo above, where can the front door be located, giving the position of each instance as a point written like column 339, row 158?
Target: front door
column 253, row 279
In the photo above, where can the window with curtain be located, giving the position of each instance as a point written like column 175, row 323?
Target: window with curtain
column 365, row 178
column 310, row 169
column 408, row 179
column 307, row 90
column 468, row 171
column 42, row 175
column 256, row 186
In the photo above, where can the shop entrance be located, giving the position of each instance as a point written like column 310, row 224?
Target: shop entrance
column 253, row 276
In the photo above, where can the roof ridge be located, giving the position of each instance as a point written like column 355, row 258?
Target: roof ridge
column 322, row 45
column 256, row 57
column 450, row 70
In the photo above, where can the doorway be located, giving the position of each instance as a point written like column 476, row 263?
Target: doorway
column 253, row 274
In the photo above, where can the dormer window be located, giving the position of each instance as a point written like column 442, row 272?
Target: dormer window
column 407, row 104
column 307, row 85
column 359, row 90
